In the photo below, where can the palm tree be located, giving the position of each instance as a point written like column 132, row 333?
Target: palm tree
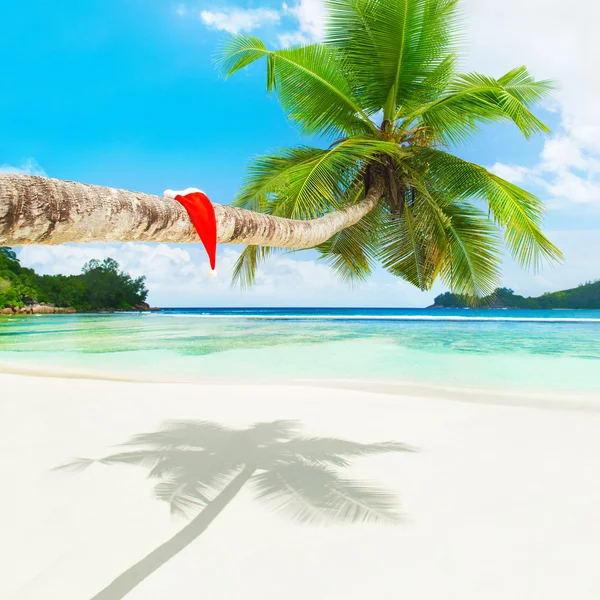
column 201, row 466
column 384, row 90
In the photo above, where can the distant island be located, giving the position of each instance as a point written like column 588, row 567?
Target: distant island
column 586, row 295
column 101, row 286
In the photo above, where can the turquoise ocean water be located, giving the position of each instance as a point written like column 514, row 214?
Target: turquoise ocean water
column 521, row 350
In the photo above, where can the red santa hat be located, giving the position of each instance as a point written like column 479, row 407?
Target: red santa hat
column 202, row 214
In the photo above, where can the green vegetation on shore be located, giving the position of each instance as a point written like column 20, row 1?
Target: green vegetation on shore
column 586, row 295
column 101, row 285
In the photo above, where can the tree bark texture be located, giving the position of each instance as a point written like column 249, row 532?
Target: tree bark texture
column 38, row 210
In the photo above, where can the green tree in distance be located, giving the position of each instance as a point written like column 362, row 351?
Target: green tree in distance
column 584, row 296
column 200, row 467
column 384, row 88
column 101, row 285
column 108, row 286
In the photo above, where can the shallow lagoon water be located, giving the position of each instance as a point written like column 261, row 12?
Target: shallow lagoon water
column 500, row 349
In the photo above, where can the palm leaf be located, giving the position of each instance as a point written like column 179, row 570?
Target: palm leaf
column 244, row 270
column 352, row 252
column 474, row 98
column 305, row 183
column 393, row 46
column 518, row 212
column 268, row 174
column 311, row 82
column 239, row 51
column 473, row 254
column 412, row 244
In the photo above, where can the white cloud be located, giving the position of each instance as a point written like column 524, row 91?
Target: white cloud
column 27, row 167
column 562, row 152
column 178, row 276
column 566, row 170
column 310, row 15
column 292, row 38
column 306, row 16
column 512, row 173
column 556, row 40
column 237, row 20
column 582, row 190
column 178, row 270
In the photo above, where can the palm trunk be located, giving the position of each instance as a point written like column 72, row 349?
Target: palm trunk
column 37, row 210
column 125, row 582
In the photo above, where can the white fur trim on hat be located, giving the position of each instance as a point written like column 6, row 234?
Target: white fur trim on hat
column 173, row 193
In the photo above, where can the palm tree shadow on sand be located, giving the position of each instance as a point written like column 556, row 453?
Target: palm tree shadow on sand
column 201, row 466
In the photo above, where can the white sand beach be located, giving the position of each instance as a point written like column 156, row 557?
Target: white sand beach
column 499, row 501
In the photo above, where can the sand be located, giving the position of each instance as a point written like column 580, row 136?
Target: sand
column 499, row 501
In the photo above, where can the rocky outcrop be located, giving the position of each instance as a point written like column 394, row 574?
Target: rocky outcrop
column 145, row 306
column 43, row 309
column 37, row 309
column 49, row 309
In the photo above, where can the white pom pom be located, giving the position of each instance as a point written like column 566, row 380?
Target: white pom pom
column 172, row 193
column 190, row 191
column 212, row 273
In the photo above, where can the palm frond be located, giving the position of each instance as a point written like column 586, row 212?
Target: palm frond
column 316, row 494
column 239, row 51
column 473, row 253
column 473, row 99
column 305, row 183
column 313, row 86
column 270, row 173
column 392, row 46
column 311, row 82
column 352, row 252
column 518, row 212
column 430, row 88
column 412, row 244
column 244, row 270
column 520, row 84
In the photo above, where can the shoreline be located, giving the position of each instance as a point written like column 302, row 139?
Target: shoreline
column 567, row 400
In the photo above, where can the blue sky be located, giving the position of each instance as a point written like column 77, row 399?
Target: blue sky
column 125, row 94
